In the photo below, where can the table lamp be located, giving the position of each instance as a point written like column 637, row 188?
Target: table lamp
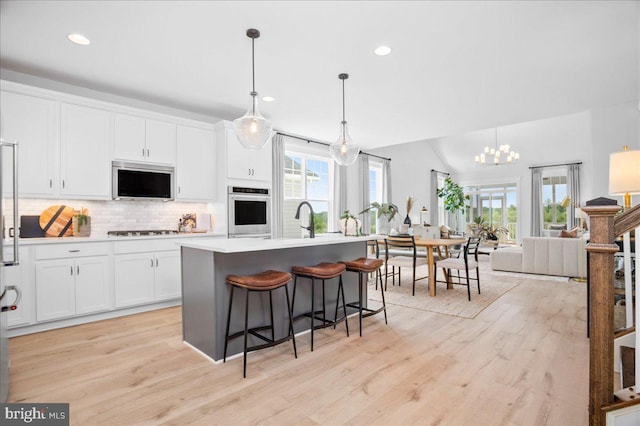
column 624, row 174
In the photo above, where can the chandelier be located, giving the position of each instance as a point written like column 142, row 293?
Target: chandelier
column 499, row 155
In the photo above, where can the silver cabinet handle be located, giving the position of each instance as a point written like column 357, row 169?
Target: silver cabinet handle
column 152, row 263
column 70, row 270
column 78, row 270
column 50, row 183
column 74, row 251
column 178, row 190
column 156, row 262
column 147, row 152
column 143, row 152
column 62, row 183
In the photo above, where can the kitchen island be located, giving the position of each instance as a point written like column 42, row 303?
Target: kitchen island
column 205, row 294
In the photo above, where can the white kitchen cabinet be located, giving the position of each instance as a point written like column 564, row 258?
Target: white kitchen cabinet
column 236, row 163
column 251, row 164
column 134, row 279
column 85, row 155
column 168, row 280
column 147, row 277
column 69, row 287
column 32, row 122
column 143, row 140
column 195, row 165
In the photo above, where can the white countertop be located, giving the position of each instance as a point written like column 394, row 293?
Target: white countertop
column 241, row 245
column 103, row 238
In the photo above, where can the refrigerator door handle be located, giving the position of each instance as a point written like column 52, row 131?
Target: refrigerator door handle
column 14, row 305
column 16, row 259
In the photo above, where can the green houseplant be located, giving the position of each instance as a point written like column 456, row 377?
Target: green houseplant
column 385, row 213
column 453, row 197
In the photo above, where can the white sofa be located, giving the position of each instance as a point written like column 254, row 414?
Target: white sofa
column 565, row 257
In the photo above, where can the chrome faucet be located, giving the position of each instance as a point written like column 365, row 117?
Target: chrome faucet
column 312, row 226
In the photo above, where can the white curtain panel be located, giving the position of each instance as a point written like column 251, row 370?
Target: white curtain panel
column 277, row 189
column 363, row 162
column 536, row 202
column 573, row 191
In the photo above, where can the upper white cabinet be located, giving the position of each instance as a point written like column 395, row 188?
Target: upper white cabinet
column 241, row 163
column 143, row 140
column 195, row 165
column 84, row 152
column 32, row 123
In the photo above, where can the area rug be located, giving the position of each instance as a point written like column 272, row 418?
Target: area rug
column 493, row 284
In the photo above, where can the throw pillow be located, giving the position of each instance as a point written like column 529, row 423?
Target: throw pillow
column 569, row 234
column 444, row 231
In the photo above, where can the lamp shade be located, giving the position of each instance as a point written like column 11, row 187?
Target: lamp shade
column 624, row 172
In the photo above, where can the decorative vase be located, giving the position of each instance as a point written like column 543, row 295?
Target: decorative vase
column 383, row 225
column 349, row 227
column 407, row 220
column 83, row 230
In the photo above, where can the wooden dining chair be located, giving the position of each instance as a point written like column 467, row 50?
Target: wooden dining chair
column 400, row 251
column 467, row 260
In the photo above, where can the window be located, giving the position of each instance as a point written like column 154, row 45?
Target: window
column 496, row 204
column 375, row 191
column 309, row 178
column 554, row 189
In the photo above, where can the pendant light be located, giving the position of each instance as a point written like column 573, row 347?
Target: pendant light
column 344, row 151
column 252, row 129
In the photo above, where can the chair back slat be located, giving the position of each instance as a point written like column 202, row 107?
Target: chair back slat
column 406, row 242
column 471, row 247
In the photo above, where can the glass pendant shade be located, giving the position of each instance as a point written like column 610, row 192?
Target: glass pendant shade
column 252, row 129
column 344, row 151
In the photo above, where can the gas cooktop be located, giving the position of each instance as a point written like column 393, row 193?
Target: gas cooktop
column 138, row 233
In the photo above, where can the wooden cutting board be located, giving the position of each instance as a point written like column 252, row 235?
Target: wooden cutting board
column 56, row 221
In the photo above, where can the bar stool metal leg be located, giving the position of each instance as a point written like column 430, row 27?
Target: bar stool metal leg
column 246, row 333
column 293, row 336
column 226, row 336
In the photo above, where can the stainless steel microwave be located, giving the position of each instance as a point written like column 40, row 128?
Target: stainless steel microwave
column 136, row 181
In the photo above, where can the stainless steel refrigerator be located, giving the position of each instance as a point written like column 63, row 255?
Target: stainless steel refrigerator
column 9, row 292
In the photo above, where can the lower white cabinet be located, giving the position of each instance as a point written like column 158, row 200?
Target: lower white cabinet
column 68, row 287
column 146, row 277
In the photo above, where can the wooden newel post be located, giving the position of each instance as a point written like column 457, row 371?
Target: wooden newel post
column 601, row 249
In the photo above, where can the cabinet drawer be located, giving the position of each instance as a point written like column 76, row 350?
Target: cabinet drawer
column 121, row 247
column 58, row 251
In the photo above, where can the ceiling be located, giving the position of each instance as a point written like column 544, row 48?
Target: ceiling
column 455, row 66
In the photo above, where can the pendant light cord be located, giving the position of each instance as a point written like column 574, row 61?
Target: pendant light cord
column 253, row 75
column 343, row 120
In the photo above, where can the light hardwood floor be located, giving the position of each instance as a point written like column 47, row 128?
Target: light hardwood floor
column 523, row 361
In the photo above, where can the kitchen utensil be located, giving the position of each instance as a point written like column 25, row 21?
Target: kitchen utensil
column 30, row 227
column 56, row 221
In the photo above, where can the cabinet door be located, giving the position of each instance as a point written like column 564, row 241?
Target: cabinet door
column 32, row 123
column 167, row 275
column 129, row 138
column 85, row 159
column 92, row 284
column 55, row 292
column 161, row 142
column 252, row 164
column 195, row 166
column 133, row 279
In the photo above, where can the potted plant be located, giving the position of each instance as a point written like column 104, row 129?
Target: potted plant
column 349, row 224
column 453, row 196
column 81, row 223
column 385, row 213
column 480, row 228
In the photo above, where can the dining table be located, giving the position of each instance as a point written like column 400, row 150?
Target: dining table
column 437, row 244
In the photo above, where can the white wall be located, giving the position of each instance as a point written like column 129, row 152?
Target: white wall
column 588, row 137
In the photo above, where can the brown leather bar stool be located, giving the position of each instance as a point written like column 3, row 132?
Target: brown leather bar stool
column 263, row 281
column 364, row 266
column 322, row 271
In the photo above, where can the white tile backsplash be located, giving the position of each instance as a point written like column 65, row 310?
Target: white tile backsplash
column 123, row 215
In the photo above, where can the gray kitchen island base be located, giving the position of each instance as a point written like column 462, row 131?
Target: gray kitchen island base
column 205, row 294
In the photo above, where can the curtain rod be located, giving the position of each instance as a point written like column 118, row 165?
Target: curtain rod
column 438, row 171
column 555, row 165
column 326, row 144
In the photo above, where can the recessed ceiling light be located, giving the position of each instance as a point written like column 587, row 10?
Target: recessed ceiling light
column 268, row 99
column 79, row 39
column 382, row 50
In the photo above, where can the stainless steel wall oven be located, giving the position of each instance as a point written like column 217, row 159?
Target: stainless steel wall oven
column 249, row 212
